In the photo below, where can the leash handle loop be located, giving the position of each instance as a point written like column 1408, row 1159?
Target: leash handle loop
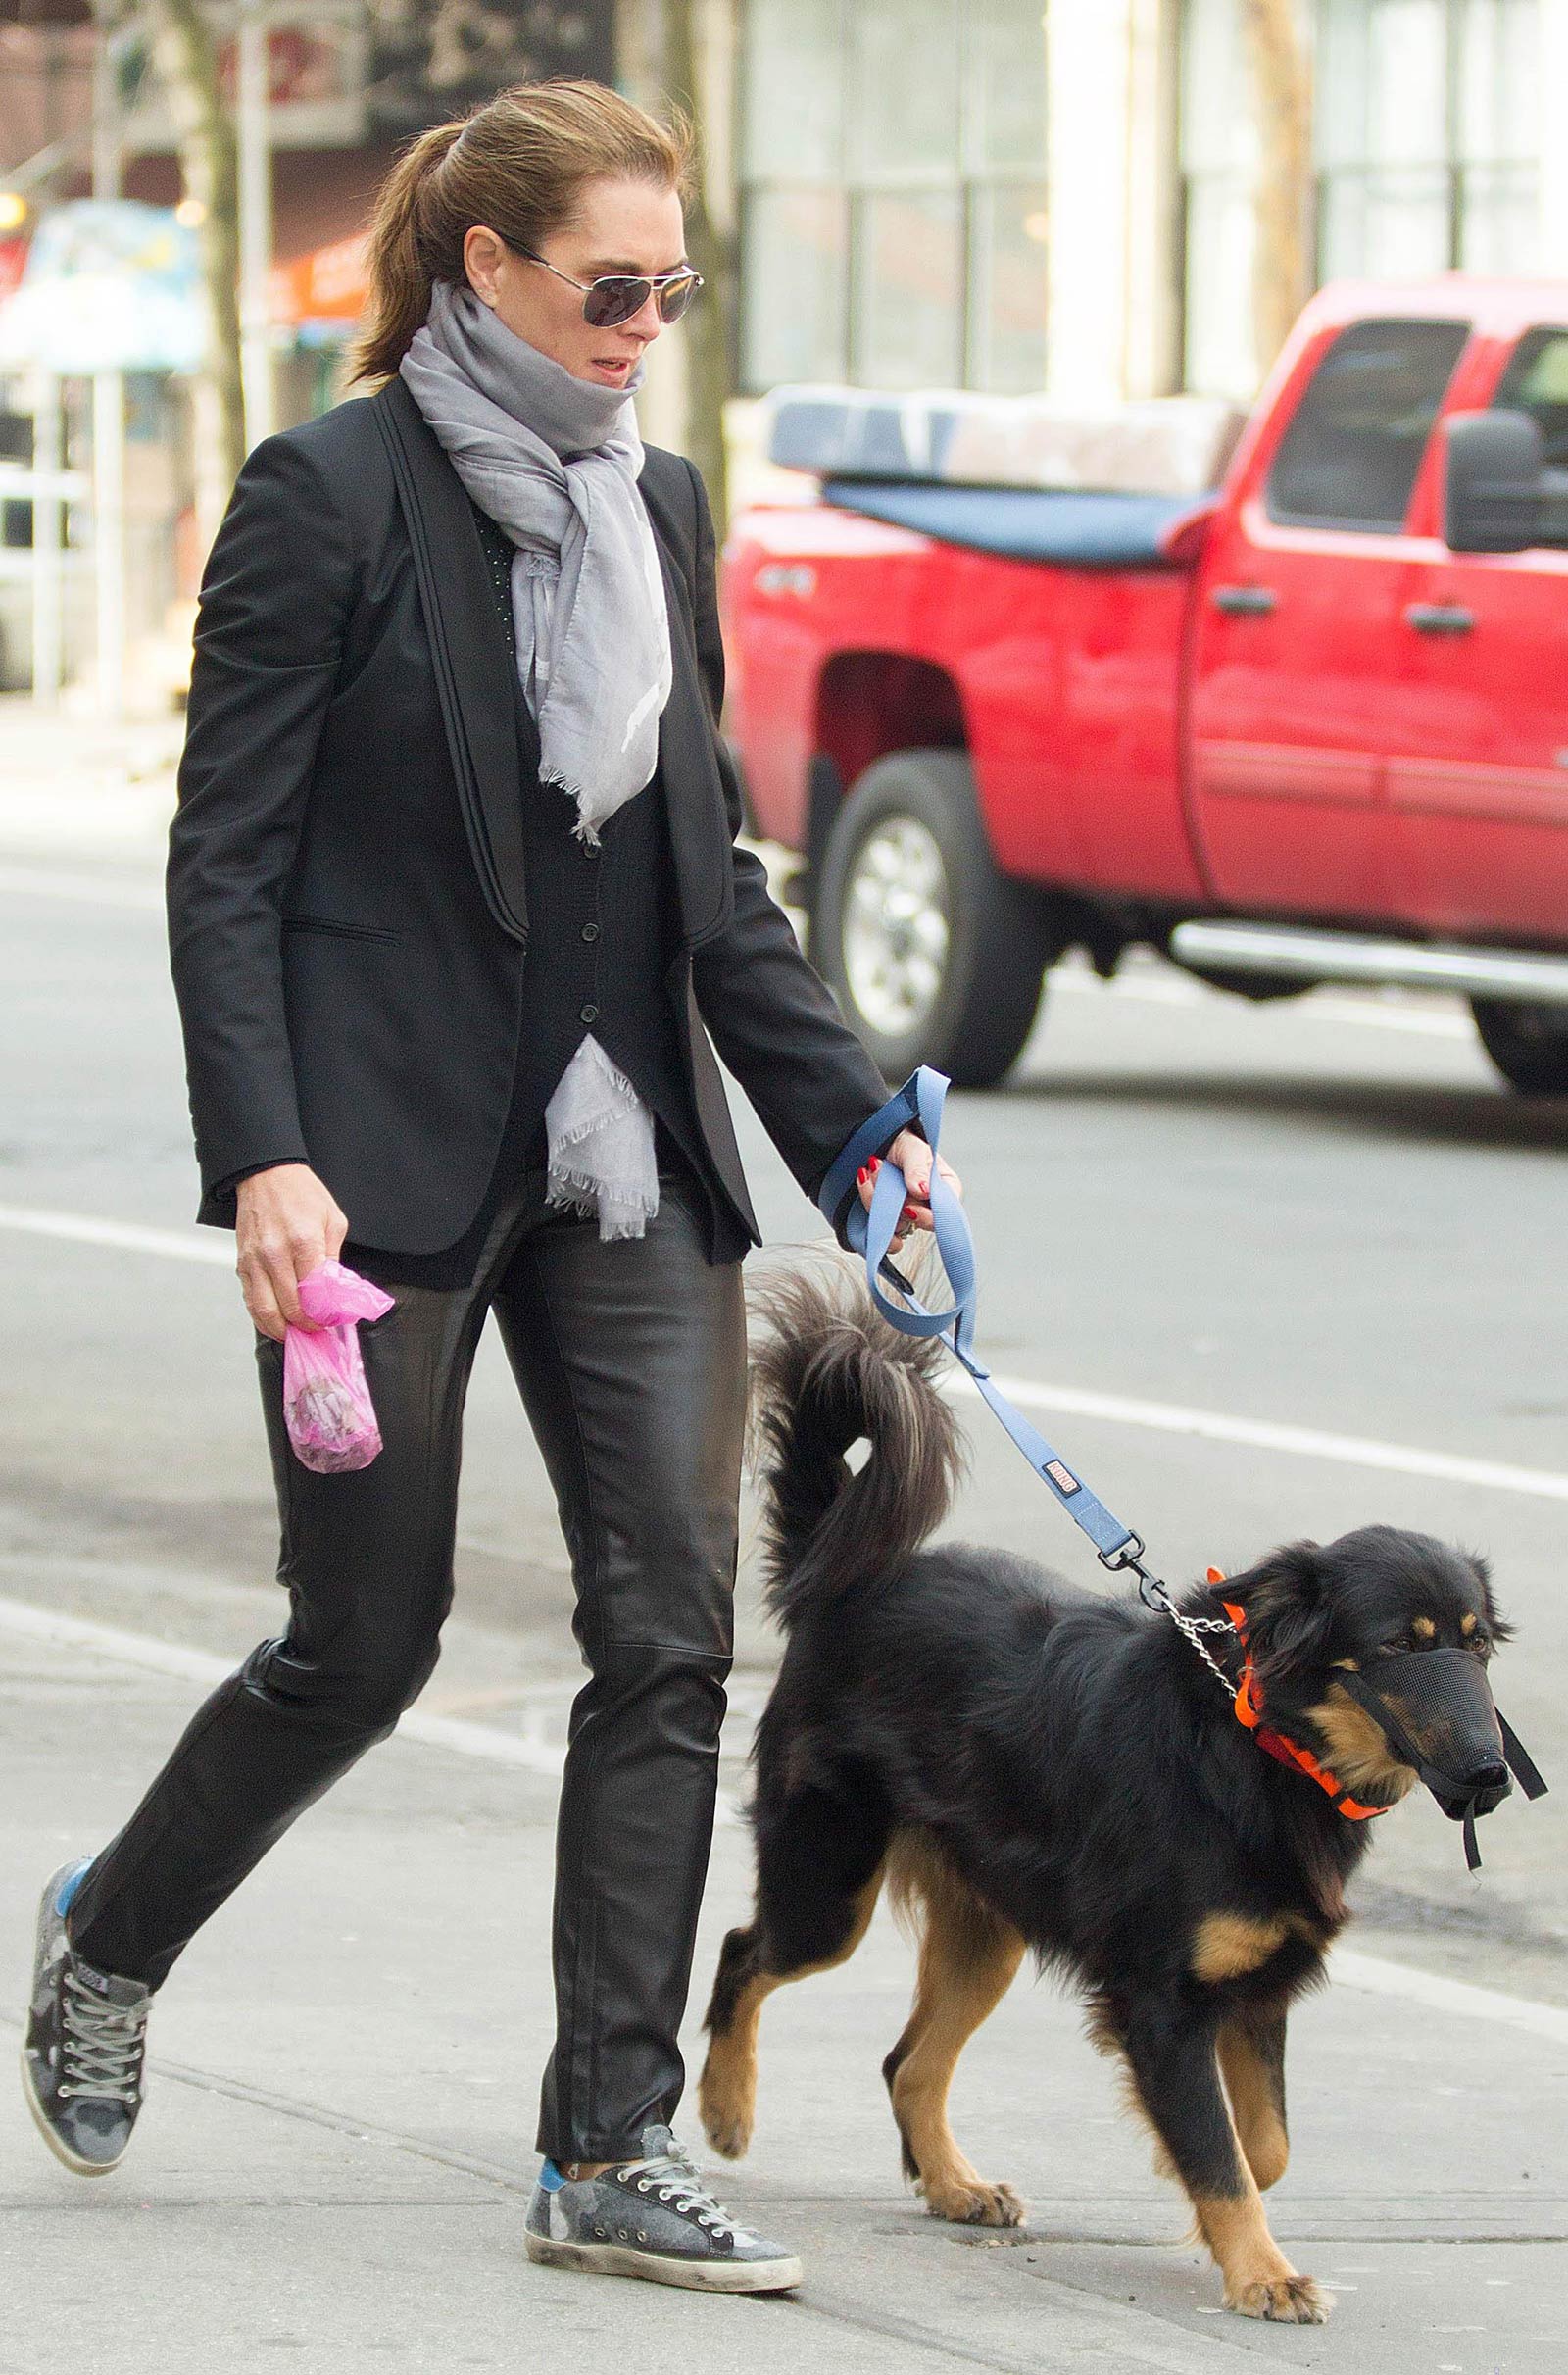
column 921, row 1099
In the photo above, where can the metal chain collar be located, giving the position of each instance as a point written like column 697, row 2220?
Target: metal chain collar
column 1155, row 1595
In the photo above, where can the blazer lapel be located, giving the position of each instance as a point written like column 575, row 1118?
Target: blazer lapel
column 471, row 656
column 694, row 794
column 468, row 649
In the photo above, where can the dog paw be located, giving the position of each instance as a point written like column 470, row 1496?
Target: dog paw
column 973, row 2202
column 727, row 2127
column 730, row 2138
column 1287, row 2300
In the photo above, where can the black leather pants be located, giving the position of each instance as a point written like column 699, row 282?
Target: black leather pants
column 630, row 1357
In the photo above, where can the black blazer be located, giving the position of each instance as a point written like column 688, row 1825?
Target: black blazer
column 347, row 909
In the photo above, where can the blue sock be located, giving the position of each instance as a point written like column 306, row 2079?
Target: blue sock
column 550, row 2177
column 69, row 1884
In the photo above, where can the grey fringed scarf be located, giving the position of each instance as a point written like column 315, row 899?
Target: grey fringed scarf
column 554, row 461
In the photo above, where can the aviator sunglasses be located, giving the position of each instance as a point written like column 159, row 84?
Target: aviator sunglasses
column 615, row 297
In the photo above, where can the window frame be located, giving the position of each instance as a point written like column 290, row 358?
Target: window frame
column 967, row 178
column 1463, row 330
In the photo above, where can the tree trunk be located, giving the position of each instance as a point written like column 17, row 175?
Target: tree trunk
column 1282, row 94
column 185, row 58
column 709, row 374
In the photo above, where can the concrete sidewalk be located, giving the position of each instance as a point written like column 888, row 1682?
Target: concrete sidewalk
column 337, row 2145
column 75, row 786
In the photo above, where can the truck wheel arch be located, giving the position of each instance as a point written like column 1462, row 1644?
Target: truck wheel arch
column 869, row 702
column 935, row 957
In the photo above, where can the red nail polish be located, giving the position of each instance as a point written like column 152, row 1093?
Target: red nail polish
column 861, row 1177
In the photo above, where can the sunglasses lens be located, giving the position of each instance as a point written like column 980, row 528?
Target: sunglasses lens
column 611, row 300
column 676, row 296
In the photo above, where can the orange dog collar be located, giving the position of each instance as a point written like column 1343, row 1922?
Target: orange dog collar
column 1248, row 1705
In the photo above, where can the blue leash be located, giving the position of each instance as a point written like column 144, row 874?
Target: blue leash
column 871, row 1233
column 1118, row 1547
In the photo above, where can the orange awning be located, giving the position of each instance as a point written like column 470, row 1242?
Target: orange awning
column 327, row 285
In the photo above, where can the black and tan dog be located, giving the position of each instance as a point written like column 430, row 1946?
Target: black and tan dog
column 1032, row 1769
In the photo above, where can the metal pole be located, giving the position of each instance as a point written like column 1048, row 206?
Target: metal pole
column 107, row 402
column 254, row 131
column 48, row 636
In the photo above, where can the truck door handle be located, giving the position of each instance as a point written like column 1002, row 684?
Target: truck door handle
column 1244, row 601
column 1440, row 617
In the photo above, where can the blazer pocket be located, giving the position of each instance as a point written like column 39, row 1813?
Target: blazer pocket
column 344, row 931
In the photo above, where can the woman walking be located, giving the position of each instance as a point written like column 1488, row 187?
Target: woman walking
column 454, row 905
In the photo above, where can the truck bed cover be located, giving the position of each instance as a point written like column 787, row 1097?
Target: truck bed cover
column 1073, row 529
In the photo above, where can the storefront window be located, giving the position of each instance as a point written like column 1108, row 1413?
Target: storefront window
column 905, row 64
column 893, row 200
column 1425, row 136
column 909, row 273
column 1007, row 275
column 1220, row 166
column 1424, row 144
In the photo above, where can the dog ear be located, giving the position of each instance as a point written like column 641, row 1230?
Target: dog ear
column 1481, row 1567
column 1289, row 1613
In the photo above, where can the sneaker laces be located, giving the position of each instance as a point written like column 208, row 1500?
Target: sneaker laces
column 103, row 2043
column 676, row 2180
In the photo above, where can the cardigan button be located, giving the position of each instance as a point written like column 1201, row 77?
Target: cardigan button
column 588, row 1013
column 590, row 931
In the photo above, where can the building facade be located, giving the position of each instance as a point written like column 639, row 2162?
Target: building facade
column 1010, row 194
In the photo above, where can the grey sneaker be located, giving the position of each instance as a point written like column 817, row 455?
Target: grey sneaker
column 651, row 2217
column 82, row 2053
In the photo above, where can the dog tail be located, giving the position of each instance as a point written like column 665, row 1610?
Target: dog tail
column 829, row 1373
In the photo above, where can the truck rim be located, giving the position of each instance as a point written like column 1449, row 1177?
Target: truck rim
column 895, row 926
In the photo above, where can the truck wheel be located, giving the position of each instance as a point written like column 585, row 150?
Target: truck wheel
column 934, row 956
column 1528, row 1044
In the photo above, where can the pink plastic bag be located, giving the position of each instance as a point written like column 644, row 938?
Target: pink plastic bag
column 327, row 1400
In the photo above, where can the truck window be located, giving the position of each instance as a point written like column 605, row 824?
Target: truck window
column 1536, row 382
column 1350, row 455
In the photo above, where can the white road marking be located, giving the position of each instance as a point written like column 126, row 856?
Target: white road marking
column 1079, row 1401
column 1148, row 989
column 1264, row 1435
column 186, row 1664
column 525, row 1750
column 96, row 890
column 1313, row 1006
column 1372, row 1976
column 1366, row 1973
column 81, row 1228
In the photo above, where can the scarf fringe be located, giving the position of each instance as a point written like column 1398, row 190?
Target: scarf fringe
column 582, row 829
column 573, row 1182
column 617, row 1080
column 580, row 1192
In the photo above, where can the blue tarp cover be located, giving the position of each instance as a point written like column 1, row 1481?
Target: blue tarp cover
column 1025, row 523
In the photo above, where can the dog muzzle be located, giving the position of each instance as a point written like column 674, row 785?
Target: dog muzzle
column 1436, row 1711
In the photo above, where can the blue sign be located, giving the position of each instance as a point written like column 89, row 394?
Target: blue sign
column 110, row 284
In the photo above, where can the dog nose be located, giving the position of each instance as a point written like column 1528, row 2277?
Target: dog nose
column 1492, row 1775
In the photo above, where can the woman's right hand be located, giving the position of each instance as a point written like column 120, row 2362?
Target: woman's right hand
column 288, row 1223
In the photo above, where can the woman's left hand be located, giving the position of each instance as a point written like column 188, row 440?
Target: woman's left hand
column 913, row 1159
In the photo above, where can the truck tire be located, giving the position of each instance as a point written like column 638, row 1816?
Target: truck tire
column 1528, row 1044
column 934, row 957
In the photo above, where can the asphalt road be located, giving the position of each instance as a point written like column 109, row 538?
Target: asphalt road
column 1267, row 1271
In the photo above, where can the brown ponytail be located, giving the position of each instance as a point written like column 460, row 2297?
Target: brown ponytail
column 518, row 163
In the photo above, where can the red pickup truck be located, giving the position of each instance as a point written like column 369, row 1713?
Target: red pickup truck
column 1310, row 725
